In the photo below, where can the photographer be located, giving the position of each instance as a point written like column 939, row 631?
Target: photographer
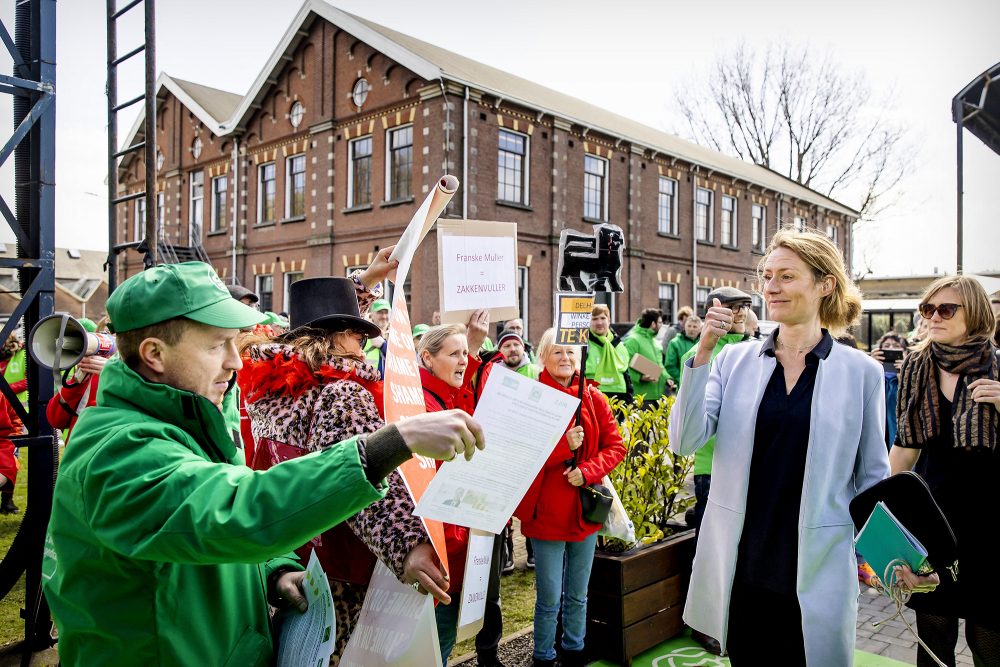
column 889, row 351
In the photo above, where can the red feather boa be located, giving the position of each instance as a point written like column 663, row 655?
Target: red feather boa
column 284, row 376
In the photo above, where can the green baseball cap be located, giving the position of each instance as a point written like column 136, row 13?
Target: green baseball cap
column 188, row 289
column 419, row 330
column 275, row 318
column 379, row 304
column 88, row 324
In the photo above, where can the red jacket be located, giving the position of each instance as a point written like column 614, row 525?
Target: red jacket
column 10, row 425
column 550, row 510
column 439, row 395
column 64, row 408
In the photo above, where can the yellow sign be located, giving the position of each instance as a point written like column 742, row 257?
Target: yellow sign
column 573, row 318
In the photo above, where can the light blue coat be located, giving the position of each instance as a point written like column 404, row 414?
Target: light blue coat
column 846, row 455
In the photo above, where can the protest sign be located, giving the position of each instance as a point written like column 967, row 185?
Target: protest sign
column 477, row 261
column 522, row 420
column 572, row 322
column 403, row 394
column 308, row 638
column 475, row 584
column 396, row 627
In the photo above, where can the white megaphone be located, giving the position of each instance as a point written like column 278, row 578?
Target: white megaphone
column 59, row 342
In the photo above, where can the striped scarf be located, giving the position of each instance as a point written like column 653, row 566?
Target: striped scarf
column 919, row 408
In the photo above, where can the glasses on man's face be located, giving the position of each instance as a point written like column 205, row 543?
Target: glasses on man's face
column 945, row 310
column 738, row 308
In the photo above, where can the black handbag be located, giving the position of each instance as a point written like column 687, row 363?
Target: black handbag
column 909, row 499
column 595, row 502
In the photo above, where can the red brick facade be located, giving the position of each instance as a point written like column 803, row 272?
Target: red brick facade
column 449, row 121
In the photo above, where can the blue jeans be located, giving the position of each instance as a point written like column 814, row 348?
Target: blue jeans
column 446, row 616
column 562, row 574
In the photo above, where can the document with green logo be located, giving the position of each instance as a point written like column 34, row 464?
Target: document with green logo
column 883, row 540
column 523, row 421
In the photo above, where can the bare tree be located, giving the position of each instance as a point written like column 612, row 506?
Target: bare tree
column 803, row 115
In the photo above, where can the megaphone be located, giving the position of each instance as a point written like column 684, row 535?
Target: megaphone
column 59, row 342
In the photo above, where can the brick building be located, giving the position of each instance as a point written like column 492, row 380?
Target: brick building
column 81, row 282
column 328, row 155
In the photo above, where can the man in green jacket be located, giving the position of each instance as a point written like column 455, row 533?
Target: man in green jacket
column 515, row 357
column 679, row 346
column 607, row 358
column 163, row 547
column 739, row 302
column 642, row 340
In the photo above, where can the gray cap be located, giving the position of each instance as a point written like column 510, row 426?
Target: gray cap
column 729, row 296
column 239, row 292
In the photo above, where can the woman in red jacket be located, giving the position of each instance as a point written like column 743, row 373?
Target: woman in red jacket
column 550, row 512
column 453, row 378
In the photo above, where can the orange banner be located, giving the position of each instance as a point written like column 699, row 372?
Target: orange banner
column 403, row 393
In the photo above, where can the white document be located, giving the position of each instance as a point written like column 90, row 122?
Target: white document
column 478, row 272
column 475, row 584
column 396, row 627
column 308, row 639
column 522, row 420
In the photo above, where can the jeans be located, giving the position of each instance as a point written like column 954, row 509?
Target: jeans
column 488, row 638
column 562, row 574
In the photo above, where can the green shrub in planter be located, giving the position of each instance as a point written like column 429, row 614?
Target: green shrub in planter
column 650, row 481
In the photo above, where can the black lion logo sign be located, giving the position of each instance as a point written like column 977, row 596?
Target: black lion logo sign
column 591, row 263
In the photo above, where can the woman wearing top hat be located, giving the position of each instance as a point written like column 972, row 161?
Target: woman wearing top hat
column 311, row 388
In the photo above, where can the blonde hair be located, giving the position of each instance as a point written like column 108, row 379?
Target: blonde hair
column 841, row 308
column 433, row 339
column 600, row 309
column 548, row 343
column 980, row 323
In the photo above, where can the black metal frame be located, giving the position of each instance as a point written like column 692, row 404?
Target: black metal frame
column 149, row 247
column 33, row 144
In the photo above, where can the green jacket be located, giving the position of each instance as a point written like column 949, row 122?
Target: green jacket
column 703, row 457
column 613, row 385
column 641, row 340
column 17, row 369
column 678, row 346
column 528, row 370
column 158, row 531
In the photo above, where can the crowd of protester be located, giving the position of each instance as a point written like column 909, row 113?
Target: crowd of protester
column 165, row 526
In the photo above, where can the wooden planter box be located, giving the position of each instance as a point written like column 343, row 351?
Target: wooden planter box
column 635, row 599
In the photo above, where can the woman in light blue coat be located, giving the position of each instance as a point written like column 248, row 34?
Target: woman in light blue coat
column 799, row 424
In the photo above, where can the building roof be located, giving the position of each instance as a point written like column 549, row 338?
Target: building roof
column 211, row 106
column 78, row 272
column 434, row 63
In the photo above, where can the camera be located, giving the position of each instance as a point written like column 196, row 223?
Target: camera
column 889, row 359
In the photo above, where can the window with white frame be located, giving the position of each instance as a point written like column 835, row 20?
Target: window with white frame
column 220, row 208
column 757, row 305
column 197, row 205
column 160, row 201
column 701, row 300
column 295, row 186
column 704, row 229
column 266, row 193
column 668, row 301
column 265, row 290
column 290, row 277
column 512, row 167
column 667, row 207
column 758, row 227
column 359, row 174
column 799, row 223
column 399, row 164
column 595, row 188
column 729, row 234
column 140, row 219
column 831, row 231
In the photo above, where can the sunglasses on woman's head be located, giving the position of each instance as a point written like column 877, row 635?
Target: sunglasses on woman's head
column 945, row 310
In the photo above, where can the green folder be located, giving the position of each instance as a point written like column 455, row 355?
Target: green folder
column 883, row 539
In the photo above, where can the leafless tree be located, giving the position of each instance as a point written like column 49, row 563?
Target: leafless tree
column 803, row 115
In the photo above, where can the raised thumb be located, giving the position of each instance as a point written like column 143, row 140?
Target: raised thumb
column 716, row 303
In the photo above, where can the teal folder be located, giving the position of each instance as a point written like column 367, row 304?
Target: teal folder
column 883, row 539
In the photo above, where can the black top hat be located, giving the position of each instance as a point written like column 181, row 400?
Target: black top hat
column 327, row 303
